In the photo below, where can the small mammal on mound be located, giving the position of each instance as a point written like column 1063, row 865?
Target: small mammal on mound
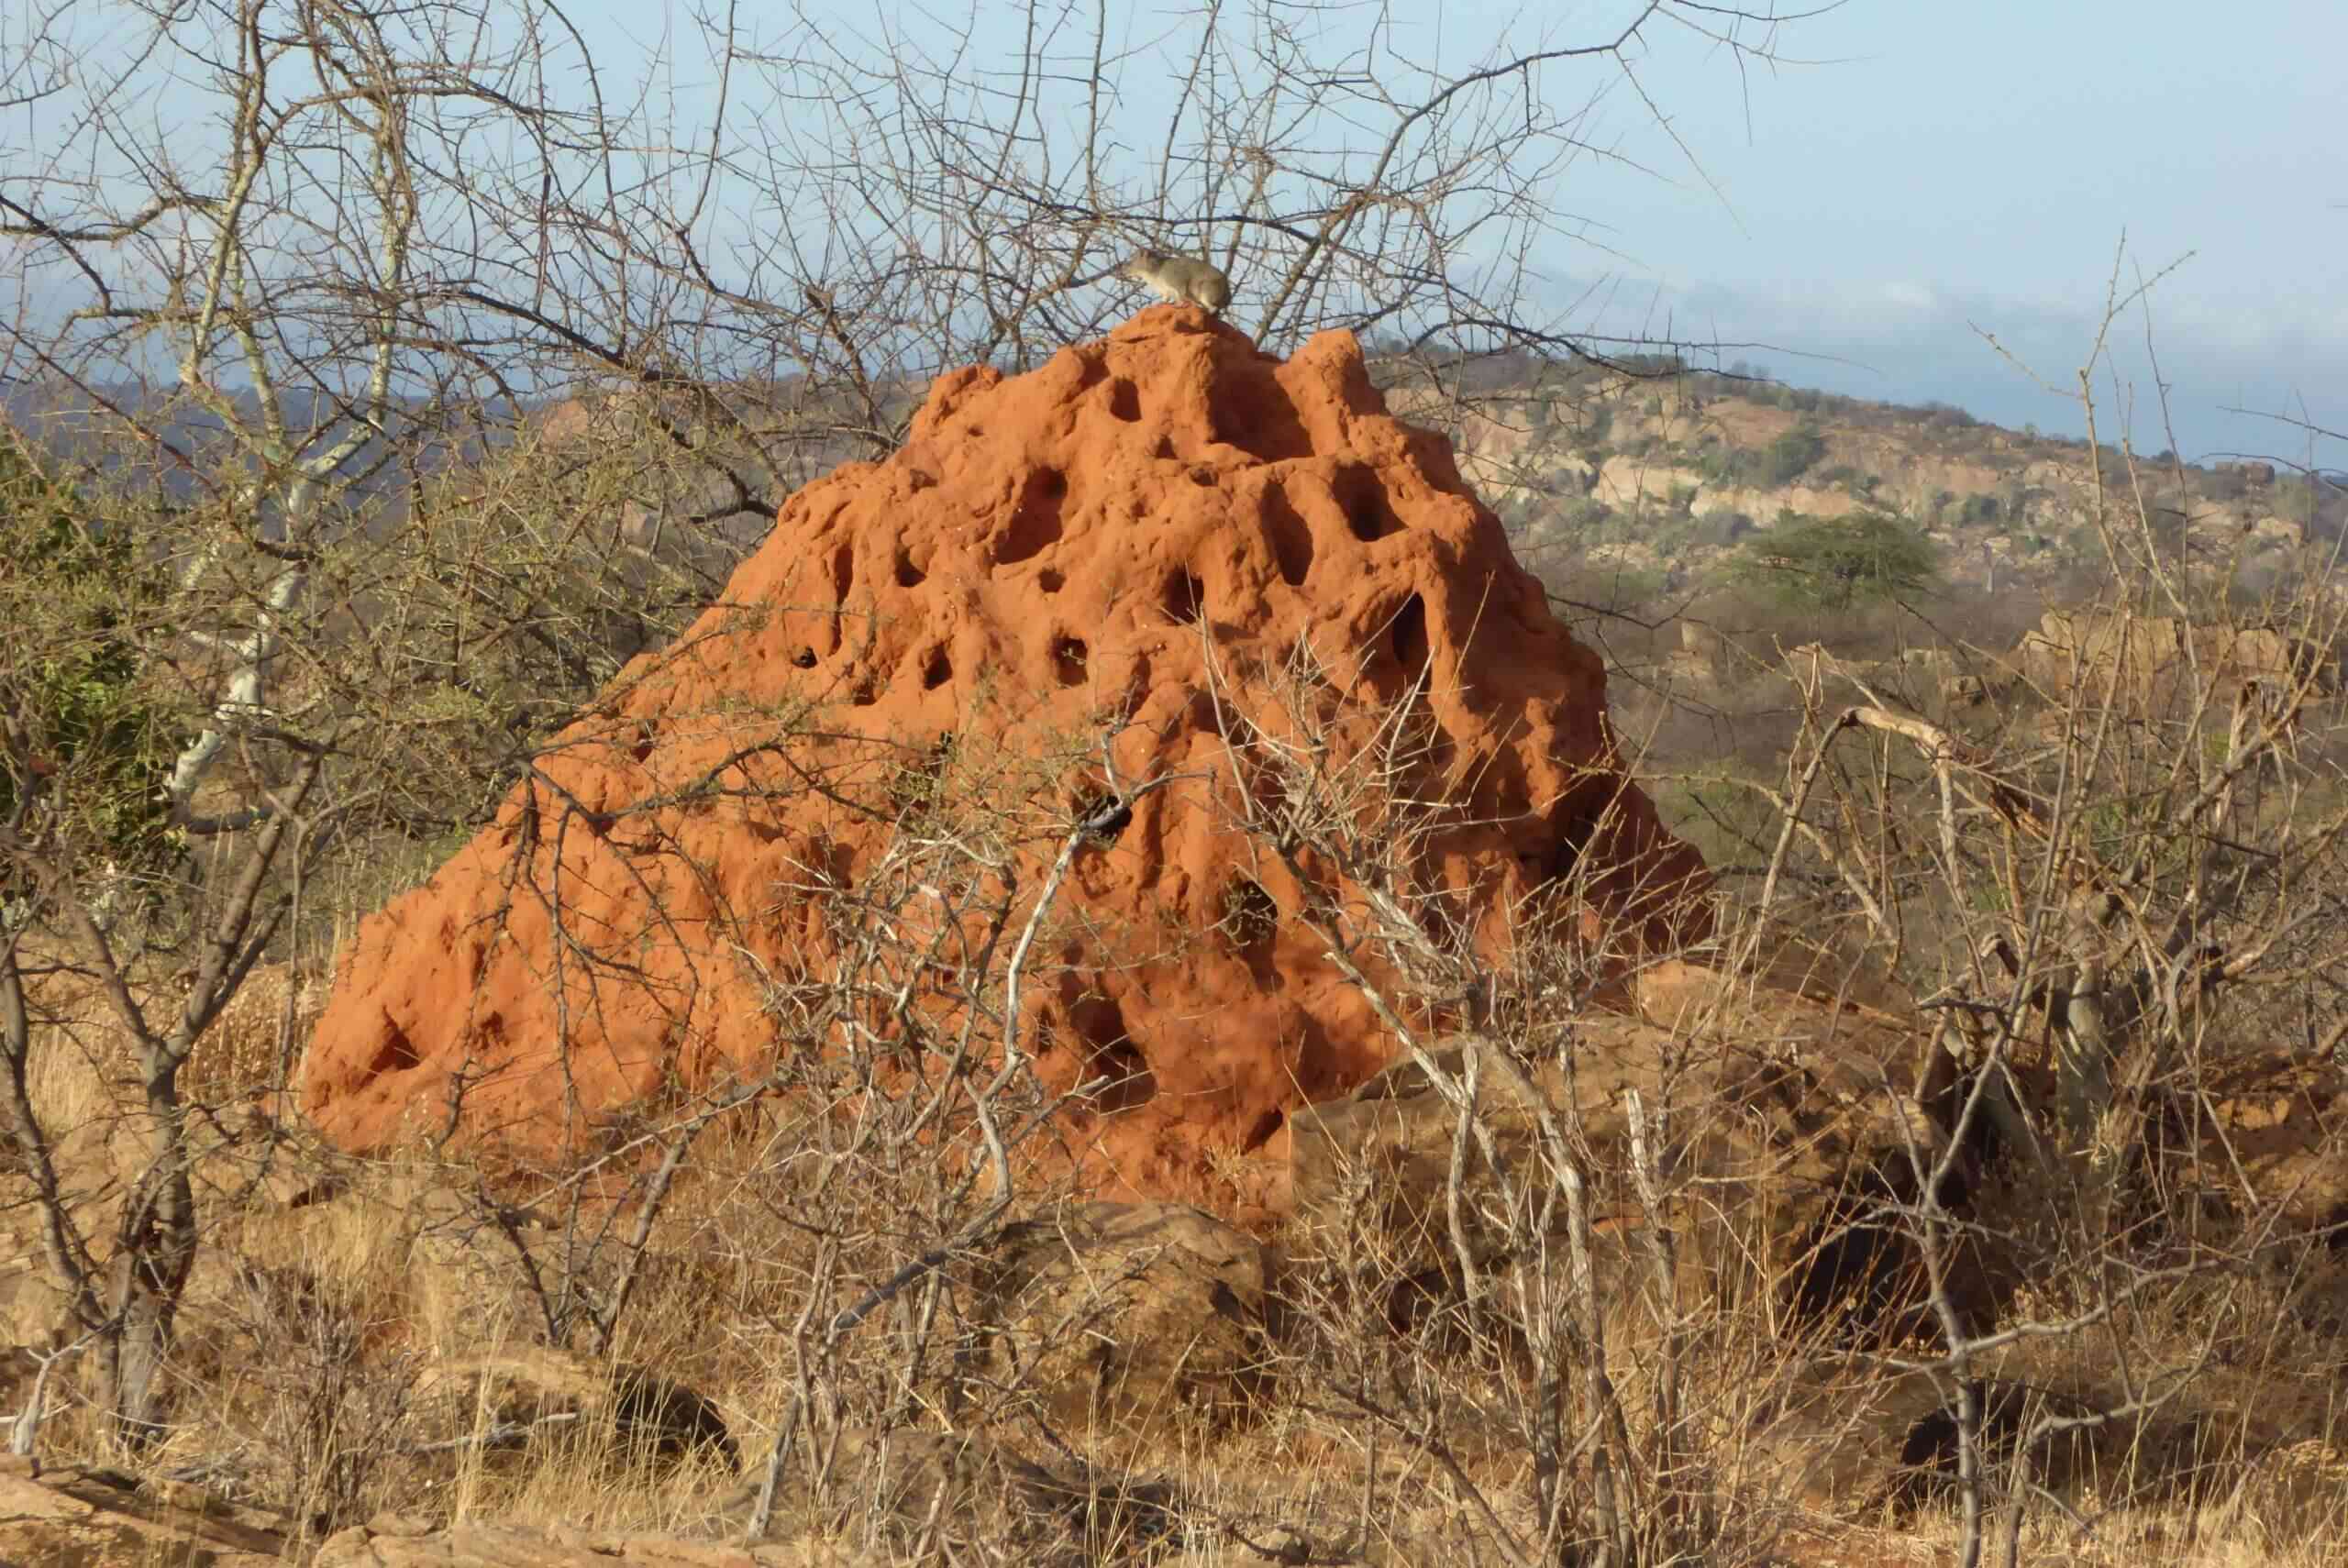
column 1180, row 278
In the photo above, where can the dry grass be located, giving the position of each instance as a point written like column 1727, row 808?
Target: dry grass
column 386, row 1275
column 357, row 1332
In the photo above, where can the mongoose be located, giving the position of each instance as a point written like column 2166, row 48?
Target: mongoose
column 1180, row 278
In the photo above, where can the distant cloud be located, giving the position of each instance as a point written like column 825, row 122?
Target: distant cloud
column 1912, row 296
column 1910, row 340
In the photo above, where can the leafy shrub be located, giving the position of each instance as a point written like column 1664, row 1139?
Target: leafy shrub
column 1791, row 455
column 74, row 703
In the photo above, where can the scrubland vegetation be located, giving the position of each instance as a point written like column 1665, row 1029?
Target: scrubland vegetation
column 359, row 461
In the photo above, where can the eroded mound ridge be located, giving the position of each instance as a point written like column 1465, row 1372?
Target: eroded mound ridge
column 1166, row 528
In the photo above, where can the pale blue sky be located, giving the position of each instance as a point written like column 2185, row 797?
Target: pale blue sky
column 1979, row 163
column 1906, row 171
column 1911, row 170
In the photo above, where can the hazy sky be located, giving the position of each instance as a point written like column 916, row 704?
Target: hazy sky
column 1910, row 170
column 1907, row 170
column 1946, row 164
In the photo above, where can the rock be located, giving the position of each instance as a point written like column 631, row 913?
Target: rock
column 2274, row 1118
column 1782, row 1136
column 19, row 1366
column 76, row 1516
column 1125, row 1315
column 666, row 1419
column 516, row 1546
column 1629, row 483
column 2148, row 657
column 1706, row 643
column 509, row 1398
column 1845, row 1436
column 903, row 1483
column 2291, row 1493
column 34, row 1314
column 1046, row 554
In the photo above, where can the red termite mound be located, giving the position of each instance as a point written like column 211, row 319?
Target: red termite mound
column 1163, row 527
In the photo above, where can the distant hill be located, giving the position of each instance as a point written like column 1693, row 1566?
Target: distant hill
column 1657, row 474
column 1667, row 475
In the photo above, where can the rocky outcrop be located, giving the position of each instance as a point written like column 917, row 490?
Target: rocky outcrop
column 2158, row 657
column 75, row 1515
column 1144, row 538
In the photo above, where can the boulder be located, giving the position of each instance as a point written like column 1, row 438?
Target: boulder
column 1126, row 1315
column 1790, row 1118
column 72, row 1516
column 1847, row 1436
column 1142, row 538
column 893, row 1487
column 2158, row 657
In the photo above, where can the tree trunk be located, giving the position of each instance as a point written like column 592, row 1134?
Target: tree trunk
column 153, row 1257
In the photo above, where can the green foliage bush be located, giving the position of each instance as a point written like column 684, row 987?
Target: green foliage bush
column 1791, row 455
column 84, row 743
column 1837, row 563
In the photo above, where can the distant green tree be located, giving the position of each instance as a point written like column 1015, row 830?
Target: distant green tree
column 1835, row 563
column 84, row 749
column 1791, row 455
